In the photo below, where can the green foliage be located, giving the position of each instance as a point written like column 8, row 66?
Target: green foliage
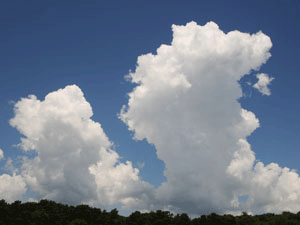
column 50, row 212
column 182, row 219
column 40, row 217
column 78, row 222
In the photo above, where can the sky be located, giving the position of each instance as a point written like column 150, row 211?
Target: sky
column 183, row 106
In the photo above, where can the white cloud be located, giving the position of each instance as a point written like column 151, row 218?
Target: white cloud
column 262, row 84
column 185, row 104
column 269, row 188
column 242, row 162
column 12, row 188
column 75, row 162
column 1, row 154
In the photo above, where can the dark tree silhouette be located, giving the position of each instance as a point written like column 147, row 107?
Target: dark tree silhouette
column 50, row 212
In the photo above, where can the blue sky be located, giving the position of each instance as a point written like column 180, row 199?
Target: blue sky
column 48, row 45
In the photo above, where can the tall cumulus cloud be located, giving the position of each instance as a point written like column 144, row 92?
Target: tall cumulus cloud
column 185, row 104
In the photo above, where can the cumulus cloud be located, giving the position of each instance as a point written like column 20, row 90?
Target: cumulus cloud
column 12, row 188
column 185, row 104
column 75, row 162
column 262, row 84
column 269, row 188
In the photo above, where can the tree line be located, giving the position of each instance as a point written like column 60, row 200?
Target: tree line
column 49, row 212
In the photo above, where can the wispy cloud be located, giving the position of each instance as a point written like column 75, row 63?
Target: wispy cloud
column 1, row 154
column 263, row 82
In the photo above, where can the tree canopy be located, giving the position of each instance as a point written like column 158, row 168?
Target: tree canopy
column 50, row 212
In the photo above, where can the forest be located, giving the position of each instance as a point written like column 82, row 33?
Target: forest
column 50, row 212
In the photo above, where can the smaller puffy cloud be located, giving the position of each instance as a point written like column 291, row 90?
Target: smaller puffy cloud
column 75, row 161
column 268, row 188
column 1, row 154
column 12, row 188
column 263, row 82
column 277, row 188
